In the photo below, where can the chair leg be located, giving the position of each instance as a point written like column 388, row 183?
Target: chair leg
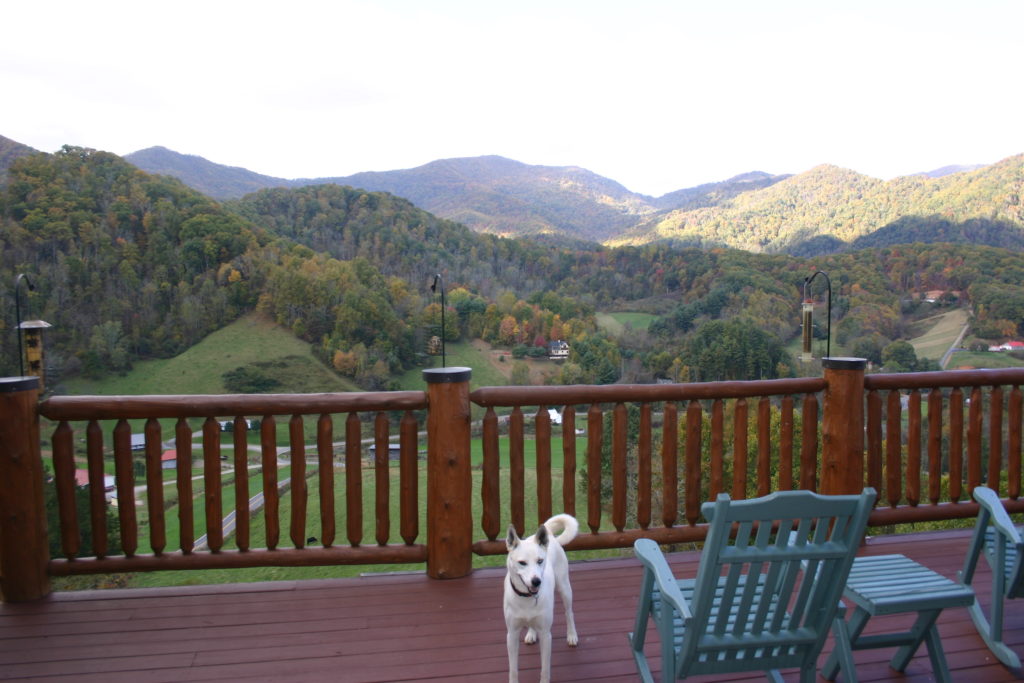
column 642, row 667
column 842, row 653
column 1003, row 653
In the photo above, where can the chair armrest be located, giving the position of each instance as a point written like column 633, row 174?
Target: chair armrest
column 989, row 500
column 648, row 552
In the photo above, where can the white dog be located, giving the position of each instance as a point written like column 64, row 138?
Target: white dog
column 536, row 567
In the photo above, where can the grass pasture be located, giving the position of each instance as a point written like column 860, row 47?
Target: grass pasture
column 199, row 370
column 616, row 323
column 937, row 333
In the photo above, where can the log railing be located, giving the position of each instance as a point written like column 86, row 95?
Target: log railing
column 288, row 413
column 665, row 464
column 922, row 440
column 933, row 436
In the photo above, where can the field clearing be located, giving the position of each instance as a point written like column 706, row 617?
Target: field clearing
column 983, row 359
column 199, row 370
column 615, row 323
column 939, row 333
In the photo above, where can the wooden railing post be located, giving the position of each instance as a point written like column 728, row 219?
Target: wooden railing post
column 24, row 551
column 449, row 477
column 842, row 426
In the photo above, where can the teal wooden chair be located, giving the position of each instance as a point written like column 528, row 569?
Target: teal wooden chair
column 766, row 591
column 999, row 541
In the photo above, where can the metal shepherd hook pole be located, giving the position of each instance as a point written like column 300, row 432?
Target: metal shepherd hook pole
column 17, row 313
column 433, row 288
column 828, row 313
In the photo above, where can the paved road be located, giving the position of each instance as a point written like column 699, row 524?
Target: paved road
column 955, row 346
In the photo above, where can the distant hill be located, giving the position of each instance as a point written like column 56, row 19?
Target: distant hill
column 9, row 152
column 213, row 180
column 823, row 210
column 830, row 209
column 489, row 194
column 948, row 170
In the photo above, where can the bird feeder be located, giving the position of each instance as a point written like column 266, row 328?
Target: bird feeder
column 32, row 338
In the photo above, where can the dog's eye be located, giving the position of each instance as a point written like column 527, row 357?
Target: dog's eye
column 540, row 561
column 522, row 563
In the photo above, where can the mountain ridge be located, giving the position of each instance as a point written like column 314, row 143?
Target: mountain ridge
column 822, row 210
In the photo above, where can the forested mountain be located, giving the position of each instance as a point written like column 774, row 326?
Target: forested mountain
column 9, row 152
column 823, row 210
column 489, row 194
column 127, row 265
column 213, row 180
column 829, row 208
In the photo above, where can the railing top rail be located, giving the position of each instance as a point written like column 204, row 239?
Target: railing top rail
column 226, row 405
column 945, row 378
column 614, row 393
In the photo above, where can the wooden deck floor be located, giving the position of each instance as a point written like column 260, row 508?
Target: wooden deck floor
column 400, row 628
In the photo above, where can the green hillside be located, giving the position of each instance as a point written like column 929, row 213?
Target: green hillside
column 199, row 370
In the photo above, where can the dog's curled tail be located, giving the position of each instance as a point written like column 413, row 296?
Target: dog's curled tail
column 566, row 524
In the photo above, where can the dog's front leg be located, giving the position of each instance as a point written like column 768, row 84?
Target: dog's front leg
column 512, row 642
column 545, row 656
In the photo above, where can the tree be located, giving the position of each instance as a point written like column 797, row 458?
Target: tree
column 520, row 373
column 899, row 356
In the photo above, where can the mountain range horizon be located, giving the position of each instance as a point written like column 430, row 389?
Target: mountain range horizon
column 822, row 210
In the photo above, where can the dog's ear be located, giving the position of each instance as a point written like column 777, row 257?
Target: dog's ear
column 512, row 540
column 542, row 536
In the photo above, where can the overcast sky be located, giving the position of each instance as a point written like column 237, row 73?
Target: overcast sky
column 657, row 95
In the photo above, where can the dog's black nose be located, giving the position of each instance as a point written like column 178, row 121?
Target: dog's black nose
column 535, row 581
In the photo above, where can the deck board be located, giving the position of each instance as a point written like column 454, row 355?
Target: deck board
column 406, row 627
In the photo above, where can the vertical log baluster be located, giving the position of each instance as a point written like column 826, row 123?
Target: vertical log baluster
column 956, row 444
column 1013, row 447
column 325, row 477
column 517, row 469
column 382, row 474
column 490, row 489
column 620, row 420
column 669, row 473
column 913, row 481
column 995, row 438
column 717, row 449
column 694, row 440
column 595, row 435
column 62, row 442
column 97, row 488
column 764, row 447
column 739, row 453
column 409, row 478
column 643, row 493
column 297, row 448
column 268, row 457
column 809, row 443
column 974, row 427
column 125, row 476
column 569, row 460
column 543, row 444
column 186, row 516
column 155, row 487
column 786, row 444
column 934, row 446
column 893, row 449
column 874, row 440
column 240, row 441
column 353, row 480
column 211, row 485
